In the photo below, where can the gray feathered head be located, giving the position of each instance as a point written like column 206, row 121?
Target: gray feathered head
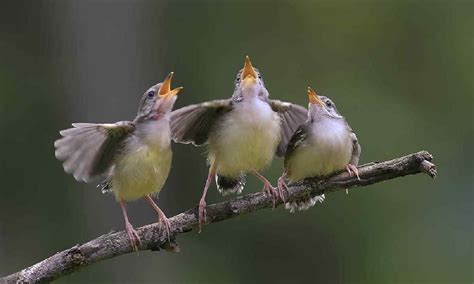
column 249, row 78
column 158, row 100
column 321, row 106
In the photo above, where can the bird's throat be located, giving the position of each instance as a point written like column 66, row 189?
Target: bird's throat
column 250, row 89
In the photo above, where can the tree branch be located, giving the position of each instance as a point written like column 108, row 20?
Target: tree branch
column 116, row 243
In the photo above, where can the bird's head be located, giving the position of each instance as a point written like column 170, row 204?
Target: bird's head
column 158, row 100
column 321, row 106
column 249, row 82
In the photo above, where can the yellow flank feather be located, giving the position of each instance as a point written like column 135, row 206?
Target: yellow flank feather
column 246, row 139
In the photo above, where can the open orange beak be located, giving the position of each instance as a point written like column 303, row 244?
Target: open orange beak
column 165, row 90
column 314, row 98
column 248, row 69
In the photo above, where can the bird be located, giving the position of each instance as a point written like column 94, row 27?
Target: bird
column 324, row 144
column 133, row 157
column 242, row 133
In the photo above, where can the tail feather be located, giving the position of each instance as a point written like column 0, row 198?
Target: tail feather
column 229, row 185
column 304, row 204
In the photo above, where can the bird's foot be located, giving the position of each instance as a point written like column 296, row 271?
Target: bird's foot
column 202, row 213
column 352, row 170
column 132, row 236
column 165, row 225
column 267, row 187
column 162, row 219
column 282, row 188
column 270, row 191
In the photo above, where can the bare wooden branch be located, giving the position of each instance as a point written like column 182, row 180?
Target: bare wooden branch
column 116, row 243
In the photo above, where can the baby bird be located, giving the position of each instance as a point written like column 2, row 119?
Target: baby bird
column 324, row 144
column 243, row 133
column 134, row 157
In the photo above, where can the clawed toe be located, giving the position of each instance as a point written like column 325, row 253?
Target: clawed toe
column 202, row 213
column 271, row 192
column 164, row 222
column 282, row 189
column 267, row 187
column 352, row 170
column 132, row 236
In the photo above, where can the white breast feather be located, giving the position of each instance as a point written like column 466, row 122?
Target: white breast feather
column 327, row 149
column 246, row 139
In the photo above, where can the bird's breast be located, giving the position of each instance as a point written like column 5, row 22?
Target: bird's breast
column 246, row 138
column 155, row 133
column 144, row 165
column 327, row 149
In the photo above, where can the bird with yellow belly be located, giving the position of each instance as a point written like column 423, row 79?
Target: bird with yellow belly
column 134, row 157
column 243, row 133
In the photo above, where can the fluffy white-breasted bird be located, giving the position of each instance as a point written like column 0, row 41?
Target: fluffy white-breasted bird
column 243, row 132
column 324, row 144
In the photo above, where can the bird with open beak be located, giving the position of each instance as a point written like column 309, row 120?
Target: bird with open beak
column 134, row 157
column 243, row 133
column 324, row 144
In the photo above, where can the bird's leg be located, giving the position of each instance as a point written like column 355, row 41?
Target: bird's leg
column 352, row 170
column 202, row 202
column 162, row 217
column 282, row 186
column 132, row 234
column 267, row 186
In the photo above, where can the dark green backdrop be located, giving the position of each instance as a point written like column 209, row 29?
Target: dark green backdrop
column 401, row 72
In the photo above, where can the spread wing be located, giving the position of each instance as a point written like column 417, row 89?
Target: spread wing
column 87, row 150
column 192, row 124
column 356, row 150
column 292, row 116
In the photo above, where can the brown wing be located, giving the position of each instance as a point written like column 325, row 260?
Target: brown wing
column 87, row 150
column 192, row 124
column 292, row 116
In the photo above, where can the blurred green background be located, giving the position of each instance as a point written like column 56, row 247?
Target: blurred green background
column 401, row 72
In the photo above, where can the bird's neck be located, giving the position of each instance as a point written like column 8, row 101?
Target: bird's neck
column 250, row 90
column 253, row 105
column 330, row 126
column 324, row 117
column 155, row 132
column 250, row 93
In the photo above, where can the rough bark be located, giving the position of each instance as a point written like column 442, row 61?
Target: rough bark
column 116, row 243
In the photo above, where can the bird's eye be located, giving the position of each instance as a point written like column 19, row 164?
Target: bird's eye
column 328, row 104
column 259, row 76
column 151, row 94
column 238, row 79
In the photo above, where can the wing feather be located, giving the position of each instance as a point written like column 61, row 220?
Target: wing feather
column 292, row 116
column 87, row 150
column 192, row 124
column 356, row 150
column 296, row 139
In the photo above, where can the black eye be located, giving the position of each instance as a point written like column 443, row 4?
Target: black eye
column 151, row 94
column 328, row 104
column 259, row 76
column 238, row 79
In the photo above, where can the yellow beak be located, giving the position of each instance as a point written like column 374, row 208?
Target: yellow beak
column 314, row 98
column 248, row 69
column 165, row 90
